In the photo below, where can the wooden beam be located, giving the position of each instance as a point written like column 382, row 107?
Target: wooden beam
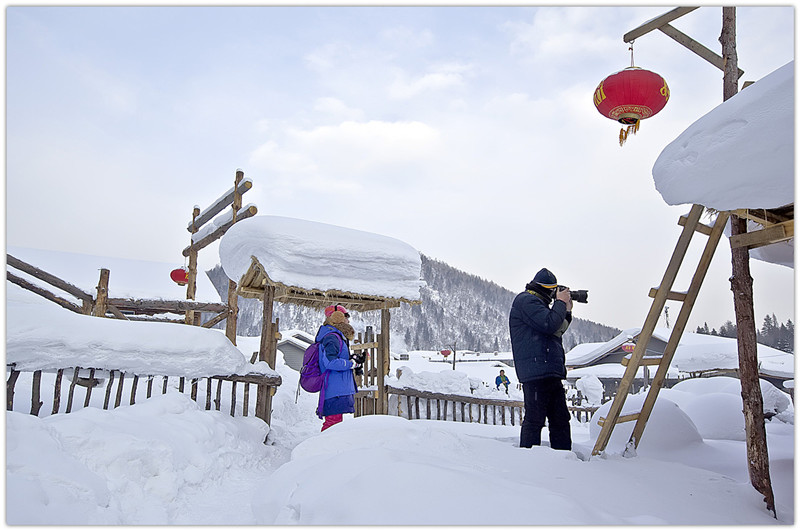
column 248, row 212
column 696, row 47
column 657, row 22
column 219, row 205
column 43, row 292
column 766, row 236
column 700, row 227
column 159, row 305
column 49, row 278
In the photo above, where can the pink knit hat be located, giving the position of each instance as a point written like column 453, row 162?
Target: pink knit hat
column 336, row 307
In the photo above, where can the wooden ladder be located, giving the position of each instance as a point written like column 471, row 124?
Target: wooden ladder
column 691, row 224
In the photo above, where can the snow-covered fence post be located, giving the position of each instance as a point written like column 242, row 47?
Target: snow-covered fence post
column 233, row 298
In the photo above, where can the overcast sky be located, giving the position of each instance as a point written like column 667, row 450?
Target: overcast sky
column 467, row 132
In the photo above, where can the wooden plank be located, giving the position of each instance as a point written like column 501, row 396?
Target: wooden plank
column 646, row 360
column 72, row 389
column 208, row 394
column 108, row 389
column 216, row 319
column 12, row 381
column 218, row 400
column 89, row 388
column 766, row 236
column 700, row 227
column 679, row 296
column 219, row 205
column 657, row 22
column 57, row 391
column 48, row 277
column 164, row 384
column 694, row 46
column 159, row 305
column 233, row 398
column 21, row 282
column 244, row 213
column 118, row 399
column 133, row 388
column 36, row 393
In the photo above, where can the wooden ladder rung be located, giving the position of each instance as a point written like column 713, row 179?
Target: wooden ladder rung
column 620, row 419
column 672, row 295
column 646, row 360
column 701, row 228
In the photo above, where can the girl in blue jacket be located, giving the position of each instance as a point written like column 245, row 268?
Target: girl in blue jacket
column 337, row 394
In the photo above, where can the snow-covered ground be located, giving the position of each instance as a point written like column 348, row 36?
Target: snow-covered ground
column 167, row 461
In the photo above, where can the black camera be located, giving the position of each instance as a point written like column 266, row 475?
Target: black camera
column 578, row 295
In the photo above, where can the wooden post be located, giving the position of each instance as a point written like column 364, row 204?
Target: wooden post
column 101, row 303
column 233, row 299
column 12, row 380
column 266, row 353
column 191, row 285
column 36, row 403
column 742, row 287
column 383, row 365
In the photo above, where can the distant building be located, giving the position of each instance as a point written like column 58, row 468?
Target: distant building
column 293, row 344
column 697, row 356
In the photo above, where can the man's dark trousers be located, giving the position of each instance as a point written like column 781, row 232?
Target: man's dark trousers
column 545, row 398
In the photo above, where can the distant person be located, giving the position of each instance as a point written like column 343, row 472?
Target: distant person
column 337, row 395
column 502, row 379
column 539, row 317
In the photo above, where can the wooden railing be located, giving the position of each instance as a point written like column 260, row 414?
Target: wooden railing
column 132, row 387
column 415, row 404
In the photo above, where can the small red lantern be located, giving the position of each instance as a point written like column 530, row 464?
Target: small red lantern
column 180, row 276
column 444, row 353
column 628, row 347
column 631, row 95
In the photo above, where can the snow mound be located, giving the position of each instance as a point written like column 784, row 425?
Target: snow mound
column 739, row 155
column 318, row 256
column 667, row 428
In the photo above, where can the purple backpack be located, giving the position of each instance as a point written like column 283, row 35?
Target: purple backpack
column 311, row 379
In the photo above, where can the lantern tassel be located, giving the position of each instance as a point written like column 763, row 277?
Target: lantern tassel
column 630, row 130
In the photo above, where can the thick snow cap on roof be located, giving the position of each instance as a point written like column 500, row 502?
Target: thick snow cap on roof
column 317, row 256
column 739, row 155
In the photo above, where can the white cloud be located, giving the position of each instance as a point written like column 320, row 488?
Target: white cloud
column 348, row 151
column 406, row 37
column 441, row 77
column 337, row 107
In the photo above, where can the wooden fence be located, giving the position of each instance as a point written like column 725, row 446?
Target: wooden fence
column 414, row 404
column 133, row 387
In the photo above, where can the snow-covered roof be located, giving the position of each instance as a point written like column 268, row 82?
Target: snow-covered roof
column 128, row 278
column 43, row 336
column 739, row 155
column 326, row 260
column 695, row 352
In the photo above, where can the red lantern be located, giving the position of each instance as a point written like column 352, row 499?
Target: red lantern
column 628, row 347
column 631, row 95
column 444, row 353
column 180, row 276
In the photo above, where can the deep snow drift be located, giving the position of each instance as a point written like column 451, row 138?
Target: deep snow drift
column 167, row 461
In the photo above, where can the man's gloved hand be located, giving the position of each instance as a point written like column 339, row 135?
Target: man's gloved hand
column 359, row 357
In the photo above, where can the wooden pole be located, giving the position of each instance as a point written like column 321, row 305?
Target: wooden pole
column 742, row 287
column 265, row 353
column 383, row 363
column 191, row 285
column 233, row 299
column 101, row 303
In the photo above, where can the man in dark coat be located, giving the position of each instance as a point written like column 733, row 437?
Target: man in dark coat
column 539, row 317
